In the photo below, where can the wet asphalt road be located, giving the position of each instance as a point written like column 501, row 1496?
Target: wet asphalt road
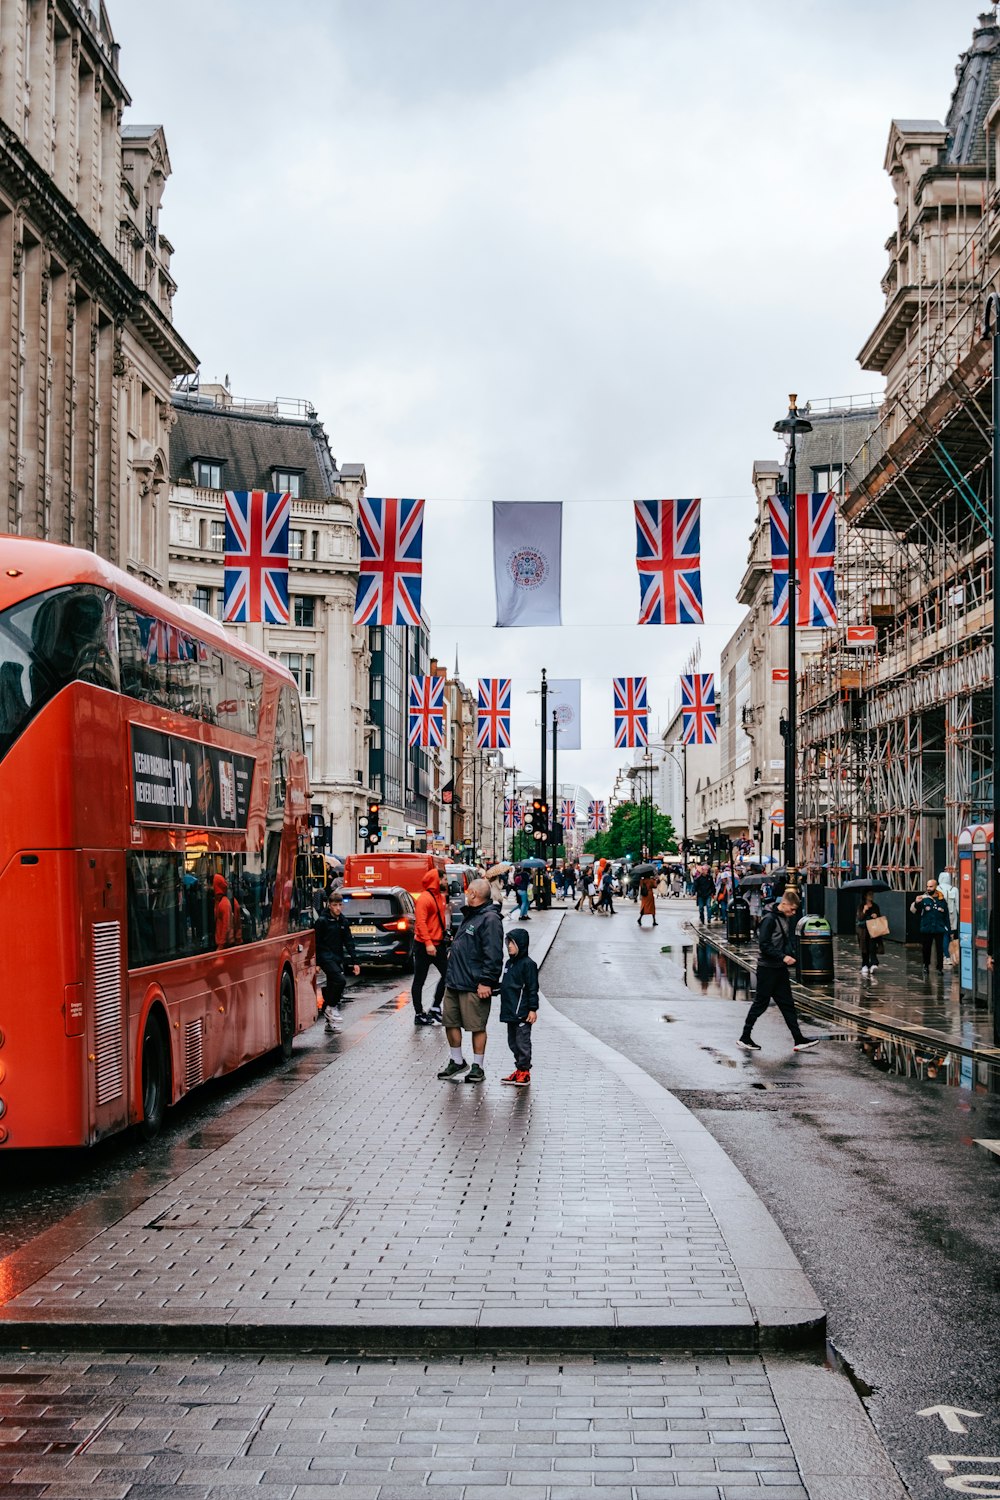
column 875, row 1180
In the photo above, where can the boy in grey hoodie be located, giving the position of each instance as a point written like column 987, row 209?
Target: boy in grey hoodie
column 519, row 1004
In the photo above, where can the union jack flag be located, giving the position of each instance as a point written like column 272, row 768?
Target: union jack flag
column 597, row 816
column 815, row 549
column 427, row 711
column 668, row 559
column 255, row 581
column 493, row 726
column 567, row 811
column 162, row 642
column 631, row 713
column 389, row 574
column 698, row 725
column 511, row 813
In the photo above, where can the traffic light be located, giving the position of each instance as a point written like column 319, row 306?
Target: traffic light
column 374, row 825
column 539, row 819
column 529, row 819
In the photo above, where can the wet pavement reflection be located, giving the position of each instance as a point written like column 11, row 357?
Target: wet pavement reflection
column 935, row 1004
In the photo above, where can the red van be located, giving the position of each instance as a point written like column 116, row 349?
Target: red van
column 407, row 870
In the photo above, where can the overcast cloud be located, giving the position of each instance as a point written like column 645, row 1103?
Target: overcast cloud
column 540, row 249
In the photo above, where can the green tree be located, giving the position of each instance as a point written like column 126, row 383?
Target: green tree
column 629, row 830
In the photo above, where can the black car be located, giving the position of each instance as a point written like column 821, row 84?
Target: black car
column 382, row 919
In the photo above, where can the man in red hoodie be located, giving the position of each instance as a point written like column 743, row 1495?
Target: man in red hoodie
column 429, row 947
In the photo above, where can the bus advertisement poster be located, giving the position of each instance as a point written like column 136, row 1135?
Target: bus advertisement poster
column 177, row 781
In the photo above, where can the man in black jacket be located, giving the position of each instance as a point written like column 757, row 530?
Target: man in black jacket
column 473, row 973
column 777, row 958
column 704, row 890
column 334, row 951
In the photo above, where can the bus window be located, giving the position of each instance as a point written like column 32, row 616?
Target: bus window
column 48, row 642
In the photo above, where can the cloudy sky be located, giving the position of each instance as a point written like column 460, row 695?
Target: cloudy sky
column 574, row 250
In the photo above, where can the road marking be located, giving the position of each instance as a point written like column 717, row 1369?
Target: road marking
column 950, row 1416
column 993, row 1146
column 987, row 1486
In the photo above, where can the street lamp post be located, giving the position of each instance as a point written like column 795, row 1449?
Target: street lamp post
column 682, row 764
column 791, row 426
column 991, row 329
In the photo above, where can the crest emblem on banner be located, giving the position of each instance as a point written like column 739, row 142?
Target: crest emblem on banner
column 528, row 568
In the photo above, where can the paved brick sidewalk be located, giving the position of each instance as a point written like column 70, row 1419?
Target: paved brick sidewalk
column 379, row 1208
column 674, row 1428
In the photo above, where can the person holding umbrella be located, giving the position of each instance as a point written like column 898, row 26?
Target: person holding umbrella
column 647, row 900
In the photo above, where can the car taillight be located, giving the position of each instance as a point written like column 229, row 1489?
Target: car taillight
column 401, row 925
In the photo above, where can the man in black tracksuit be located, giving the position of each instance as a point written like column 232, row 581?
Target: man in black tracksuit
column 777, row 958
column 334, row 953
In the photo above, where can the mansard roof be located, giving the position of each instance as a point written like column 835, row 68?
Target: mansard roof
column 251, row 446
column 976, row 88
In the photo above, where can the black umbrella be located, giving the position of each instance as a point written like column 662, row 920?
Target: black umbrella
column 639, row 870
column 752, row 882
column 532, row 864
column 865, row 885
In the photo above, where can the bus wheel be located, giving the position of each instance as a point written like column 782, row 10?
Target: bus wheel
column 286, row 1016
column 155, row 1077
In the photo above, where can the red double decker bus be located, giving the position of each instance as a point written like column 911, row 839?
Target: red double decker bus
column 153, row 803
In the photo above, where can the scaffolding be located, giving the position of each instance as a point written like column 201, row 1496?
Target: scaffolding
column 895, row 738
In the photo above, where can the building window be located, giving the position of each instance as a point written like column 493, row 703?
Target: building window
column 305, row 611
column 302, row 668
column 288, row 481
column 202, row 599
column 828, row 479
column 307, row 730
column 296, row 544
column 217, row 536
column 314, row 547
column 220, row 603
column 208, row 473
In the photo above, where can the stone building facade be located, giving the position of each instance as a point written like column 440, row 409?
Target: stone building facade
column 85, row 291
column 221, row 443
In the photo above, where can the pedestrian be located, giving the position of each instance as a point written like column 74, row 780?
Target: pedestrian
column 606, row 902
column 569, row 883
column 704, row 890
column 647, row 894
column 871, row 946
column 776, row 941
column 587, row 891
column 722, row 892
column 519, row 1004
column 521, row 886
column 934, row 920
column 335, row 953
column 227, row 914
column 429, row 947
column 949, row 891
column 677, row 885
column 474, row 965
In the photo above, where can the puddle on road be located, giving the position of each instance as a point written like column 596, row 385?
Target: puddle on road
column 717, row 976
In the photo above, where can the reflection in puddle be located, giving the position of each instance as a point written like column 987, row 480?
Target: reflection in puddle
column 711, row 973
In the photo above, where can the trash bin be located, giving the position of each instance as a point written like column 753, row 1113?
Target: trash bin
column 738, row 924
column 814, row 942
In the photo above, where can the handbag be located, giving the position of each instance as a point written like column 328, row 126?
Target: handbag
column 877, row 927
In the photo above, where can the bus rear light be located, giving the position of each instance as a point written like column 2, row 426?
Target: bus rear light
column 3, row 1135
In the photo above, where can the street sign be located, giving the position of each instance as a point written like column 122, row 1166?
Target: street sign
column 779, row 674
column 778, row 817
column 861, row 635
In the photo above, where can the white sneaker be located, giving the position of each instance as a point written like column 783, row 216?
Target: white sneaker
column 864, row 971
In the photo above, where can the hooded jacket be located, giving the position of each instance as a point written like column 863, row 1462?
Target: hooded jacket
column 476, row 955
column 227, row 914
column 519, row 985
column 776, row 938
column 432, row 911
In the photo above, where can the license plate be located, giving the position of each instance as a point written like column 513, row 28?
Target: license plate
column 365, row 931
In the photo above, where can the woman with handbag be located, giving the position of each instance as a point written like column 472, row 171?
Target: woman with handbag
column 871, row 928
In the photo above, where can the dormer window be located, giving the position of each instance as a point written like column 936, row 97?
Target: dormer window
column 287, row 481
column 207, row 473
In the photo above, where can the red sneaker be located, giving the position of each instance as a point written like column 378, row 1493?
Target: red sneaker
column 520, row 1080
column 511, row 1077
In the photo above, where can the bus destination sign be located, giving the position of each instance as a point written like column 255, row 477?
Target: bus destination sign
column 179, row 781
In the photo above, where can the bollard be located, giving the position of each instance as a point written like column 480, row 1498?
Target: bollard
column 738, row 925
column 814, row 944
